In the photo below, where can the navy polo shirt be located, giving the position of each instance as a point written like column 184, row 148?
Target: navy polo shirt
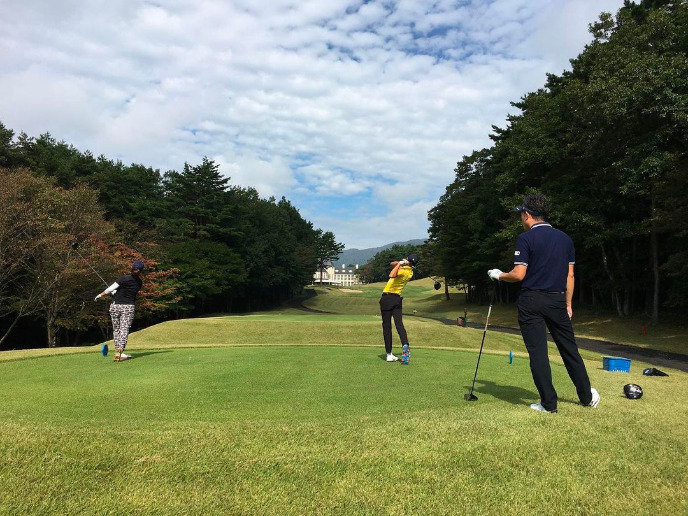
column 547, row 252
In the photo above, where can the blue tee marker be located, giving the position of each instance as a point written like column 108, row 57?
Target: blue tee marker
column 104, row 350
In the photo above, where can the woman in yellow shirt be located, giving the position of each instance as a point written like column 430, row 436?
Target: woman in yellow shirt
column 390, row 304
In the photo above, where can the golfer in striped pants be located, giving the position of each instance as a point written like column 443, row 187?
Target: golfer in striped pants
column 122, row 309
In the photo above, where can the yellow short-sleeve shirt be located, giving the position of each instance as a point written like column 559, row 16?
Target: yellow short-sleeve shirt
column 396, row 285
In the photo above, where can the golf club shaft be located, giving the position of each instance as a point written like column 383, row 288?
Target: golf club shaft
column 487, row 320
column 85, row 260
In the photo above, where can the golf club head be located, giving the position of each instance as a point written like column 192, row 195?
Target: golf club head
column 470, row 397
column 74, row 245
column 633, row 391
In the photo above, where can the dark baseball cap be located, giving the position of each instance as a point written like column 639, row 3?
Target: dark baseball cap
column 526, row 208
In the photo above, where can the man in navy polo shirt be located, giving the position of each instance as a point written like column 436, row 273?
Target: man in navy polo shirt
column 543, row 261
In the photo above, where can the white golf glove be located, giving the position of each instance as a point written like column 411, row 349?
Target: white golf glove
column 494, row 274
column 403, row 262
column 98, row 296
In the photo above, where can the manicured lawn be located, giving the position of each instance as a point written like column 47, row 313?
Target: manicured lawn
column 327, row 429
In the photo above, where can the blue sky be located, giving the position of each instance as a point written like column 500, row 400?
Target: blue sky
column 356, row 111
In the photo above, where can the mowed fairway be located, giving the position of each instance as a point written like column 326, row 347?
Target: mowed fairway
column 293, row 413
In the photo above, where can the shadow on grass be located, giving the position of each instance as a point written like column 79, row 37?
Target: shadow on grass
column 146, row 353
column 511, row 394
column 508, row 393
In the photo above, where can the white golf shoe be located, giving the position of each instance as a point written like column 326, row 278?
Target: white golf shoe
column 391, row 358
column 595, row 398
column 124, row 357
column 540, row 408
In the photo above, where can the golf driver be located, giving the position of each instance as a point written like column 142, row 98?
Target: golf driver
column 74, row 246
column 470, row 396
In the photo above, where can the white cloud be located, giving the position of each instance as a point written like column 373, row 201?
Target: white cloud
column 327, row 182
column 271, row 178
column 403, row 222
column 562, row 30
column 289, row 96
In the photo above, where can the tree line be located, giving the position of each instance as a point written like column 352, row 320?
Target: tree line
column 607, row 143
column 378, row 267
column 208, row 246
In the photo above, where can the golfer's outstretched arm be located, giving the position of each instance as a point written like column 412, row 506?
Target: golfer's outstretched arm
column 111, row 288
column 514, row 275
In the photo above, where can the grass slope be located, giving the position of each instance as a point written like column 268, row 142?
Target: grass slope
column 291, row 413
column 420, row 296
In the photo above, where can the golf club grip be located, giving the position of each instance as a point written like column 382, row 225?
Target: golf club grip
column 487, row 319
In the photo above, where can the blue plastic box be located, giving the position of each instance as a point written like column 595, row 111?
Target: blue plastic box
column 618, row 364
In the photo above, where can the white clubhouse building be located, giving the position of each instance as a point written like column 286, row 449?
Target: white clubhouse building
column 344, row 276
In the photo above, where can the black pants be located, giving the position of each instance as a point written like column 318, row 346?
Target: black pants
column 537, row 312
column 390, row 306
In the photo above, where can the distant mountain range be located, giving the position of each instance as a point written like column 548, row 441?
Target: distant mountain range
column 361, row 256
